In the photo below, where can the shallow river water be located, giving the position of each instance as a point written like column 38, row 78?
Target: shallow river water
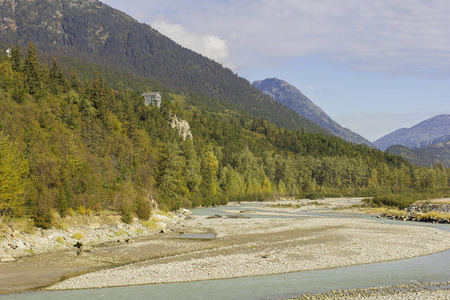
column 430, row 268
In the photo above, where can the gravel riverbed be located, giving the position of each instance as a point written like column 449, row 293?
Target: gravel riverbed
column 117, row 254
column 254, row 247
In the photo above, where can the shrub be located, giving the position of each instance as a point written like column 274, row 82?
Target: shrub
column 398, row 201
column 82, row 210
column 143, row 208
column 126, row 213
column 97, row 207
column 43, row 219
column 71, row 212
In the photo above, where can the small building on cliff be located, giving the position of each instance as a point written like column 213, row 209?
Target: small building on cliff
column 152, row 98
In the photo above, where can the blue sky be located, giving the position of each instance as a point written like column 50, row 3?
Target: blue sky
column 373, row 66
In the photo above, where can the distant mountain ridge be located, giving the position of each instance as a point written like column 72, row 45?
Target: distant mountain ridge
column 295, row 99
column 426, row 156
column 432, row 131
column 90, row 31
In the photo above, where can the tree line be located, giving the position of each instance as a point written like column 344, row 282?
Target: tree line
column 70, row 144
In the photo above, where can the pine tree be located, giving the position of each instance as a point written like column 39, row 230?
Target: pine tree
column 32, row 71
column 16, row 59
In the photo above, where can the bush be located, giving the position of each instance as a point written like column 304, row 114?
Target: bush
column 143, row 208
column 126, row 214
column 398, row 201
column 81, row 210
column 44, row 218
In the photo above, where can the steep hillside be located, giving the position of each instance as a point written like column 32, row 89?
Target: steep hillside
column 67, row 145
column 428, row 132
column 295, row 99
column 88, row 30
column 425, row 157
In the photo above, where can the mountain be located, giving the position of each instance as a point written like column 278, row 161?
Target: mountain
column 428, row 132
column 426, row 156
column 292, row 97
column 86, row 32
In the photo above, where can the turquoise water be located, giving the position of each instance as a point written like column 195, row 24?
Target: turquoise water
column 430, row 268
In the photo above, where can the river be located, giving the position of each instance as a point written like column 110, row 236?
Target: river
column 430, row 268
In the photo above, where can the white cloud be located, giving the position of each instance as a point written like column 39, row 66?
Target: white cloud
column 394, row 36
column 209, row 45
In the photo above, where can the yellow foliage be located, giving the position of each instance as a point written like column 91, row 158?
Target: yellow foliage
column 81, row 210
column 13, row 176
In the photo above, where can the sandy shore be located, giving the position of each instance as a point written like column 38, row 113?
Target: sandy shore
column 251, row 247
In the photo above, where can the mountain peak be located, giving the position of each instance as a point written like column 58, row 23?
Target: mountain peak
column 428, row 132
column 292, row 97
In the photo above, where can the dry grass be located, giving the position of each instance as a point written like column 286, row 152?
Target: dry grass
column 150, row 224
column 390, row 211
column 433, row 214
column 77, row 235
column 60, row 240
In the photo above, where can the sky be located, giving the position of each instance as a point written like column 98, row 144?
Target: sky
column 372, row 66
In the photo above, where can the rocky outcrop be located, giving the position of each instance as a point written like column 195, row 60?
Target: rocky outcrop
column 422, row 212
column 182, row 126
column 429, row 207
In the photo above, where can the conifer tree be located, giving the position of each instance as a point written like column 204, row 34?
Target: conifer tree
column 16, row 59
column 32, row 71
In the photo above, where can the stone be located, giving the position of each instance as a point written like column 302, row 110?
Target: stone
column 7, row 259
column 95, row 225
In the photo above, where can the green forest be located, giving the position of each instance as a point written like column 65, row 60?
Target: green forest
column 68, row 144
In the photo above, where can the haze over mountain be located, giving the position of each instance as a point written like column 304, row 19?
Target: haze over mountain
column 87, row 32
column 292, row 97
column 432, row 131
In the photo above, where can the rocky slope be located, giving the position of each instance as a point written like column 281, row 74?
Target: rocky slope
column 429, row 132
column 295, row 99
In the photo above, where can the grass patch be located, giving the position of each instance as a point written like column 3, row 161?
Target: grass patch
column 433, row 215
column 31, row 251
column 77, row 235
column 60, row 240
column 150, row 224
column 294, row 206
column 285, row 205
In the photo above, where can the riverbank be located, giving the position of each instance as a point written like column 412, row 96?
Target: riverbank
column 422, row 291
column 242, row 247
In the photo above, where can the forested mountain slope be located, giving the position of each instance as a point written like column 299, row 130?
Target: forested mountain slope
column 425, row 156
column 295, row 99
column 75, row 31
column 67, row 145
column 428, row 132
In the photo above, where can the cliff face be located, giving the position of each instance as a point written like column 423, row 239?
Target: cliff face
column 182, row 126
